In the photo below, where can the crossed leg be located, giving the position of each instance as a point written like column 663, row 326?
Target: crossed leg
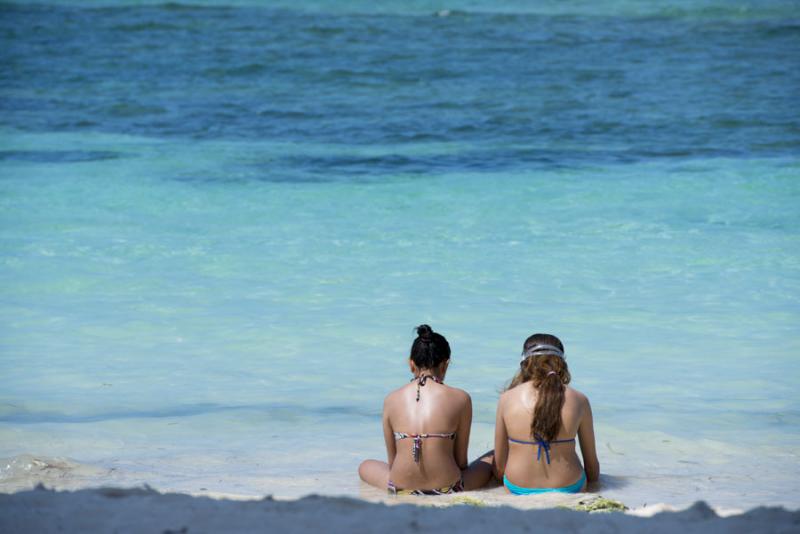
column 475, row 476
column 479, row 473
column 375, row 473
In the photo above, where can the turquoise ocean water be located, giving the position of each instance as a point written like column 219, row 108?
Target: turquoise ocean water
column 220, row 222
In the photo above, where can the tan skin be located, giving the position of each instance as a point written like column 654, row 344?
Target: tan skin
column 441, row 409
column 518, row 461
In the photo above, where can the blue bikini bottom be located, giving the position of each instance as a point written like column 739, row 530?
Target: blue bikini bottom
column 519, row 490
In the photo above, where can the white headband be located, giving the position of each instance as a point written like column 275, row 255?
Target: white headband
column 542, row 350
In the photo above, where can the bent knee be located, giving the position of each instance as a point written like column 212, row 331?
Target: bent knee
column 374, row 472
column 363, row 470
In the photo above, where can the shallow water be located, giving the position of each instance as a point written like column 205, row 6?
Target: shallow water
column 221, row 222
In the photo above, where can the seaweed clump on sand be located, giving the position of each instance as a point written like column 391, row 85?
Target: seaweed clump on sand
column 600, row 504
column 466, row 500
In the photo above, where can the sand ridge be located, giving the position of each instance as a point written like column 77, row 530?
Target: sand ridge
column 147, row 510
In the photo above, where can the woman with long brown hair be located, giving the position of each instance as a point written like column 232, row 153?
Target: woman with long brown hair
column 538, row 419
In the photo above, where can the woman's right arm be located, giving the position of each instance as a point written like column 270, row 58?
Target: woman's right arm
column 500, row 441
column 588, row 449
column 388, row 435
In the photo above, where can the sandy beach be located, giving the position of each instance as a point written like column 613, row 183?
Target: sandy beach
column 66, row 498
column 146, row 510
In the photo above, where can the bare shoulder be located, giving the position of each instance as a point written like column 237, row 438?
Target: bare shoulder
column 393, row 396
column 507, row 396
column 515, row 392
column 461, row 395
column 576, row 396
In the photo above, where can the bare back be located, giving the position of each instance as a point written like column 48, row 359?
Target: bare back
column 440, row 410
column 519, row 461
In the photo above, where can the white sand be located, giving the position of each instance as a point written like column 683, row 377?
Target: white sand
column 77, row 505
column 145, row 510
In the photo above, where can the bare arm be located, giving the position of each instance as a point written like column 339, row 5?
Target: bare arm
column 500, row 442
column 462, row 435
column 388, row 435
column 588, row 449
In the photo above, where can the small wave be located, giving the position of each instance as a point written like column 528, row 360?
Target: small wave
column 145, row 27
column 127, row 109
column 326, row 31
column 58, row 156
column 188, row 6
column 279, row 411
column 361, row 165
column 240, row 70
column 244, row 70
column 444, row 13
column 292, row 114
column 784, row 30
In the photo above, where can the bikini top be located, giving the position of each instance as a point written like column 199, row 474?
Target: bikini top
column 416, row 449
column 542, row 444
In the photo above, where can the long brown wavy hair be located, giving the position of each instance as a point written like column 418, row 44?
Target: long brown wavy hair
column 549, row 376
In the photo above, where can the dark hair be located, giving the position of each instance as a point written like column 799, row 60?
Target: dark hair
column 430, row 349
column 549, row 375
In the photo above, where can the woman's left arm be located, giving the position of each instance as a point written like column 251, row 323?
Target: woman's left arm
column 462, row 434
column 588, row 449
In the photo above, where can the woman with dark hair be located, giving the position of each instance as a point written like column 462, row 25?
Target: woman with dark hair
column 426, row 427
column 538, row 419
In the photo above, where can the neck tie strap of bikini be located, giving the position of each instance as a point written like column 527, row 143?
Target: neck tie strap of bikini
column 422, row 380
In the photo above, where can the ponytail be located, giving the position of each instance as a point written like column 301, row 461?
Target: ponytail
column 549, row 375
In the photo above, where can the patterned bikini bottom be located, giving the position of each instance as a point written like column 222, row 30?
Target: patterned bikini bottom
column 457, row 487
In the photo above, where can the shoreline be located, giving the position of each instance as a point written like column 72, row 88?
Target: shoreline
column 147, row 510
column 246, row 481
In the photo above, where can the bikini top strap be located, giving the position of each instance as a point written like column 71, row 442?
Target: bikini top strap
column 416, row 447
column 445, row 435
column 422, row 379
column 542, row 444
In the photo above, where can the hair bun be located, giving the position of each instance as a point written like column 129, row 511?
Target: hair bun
column 429, row 349
column 425, row 333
